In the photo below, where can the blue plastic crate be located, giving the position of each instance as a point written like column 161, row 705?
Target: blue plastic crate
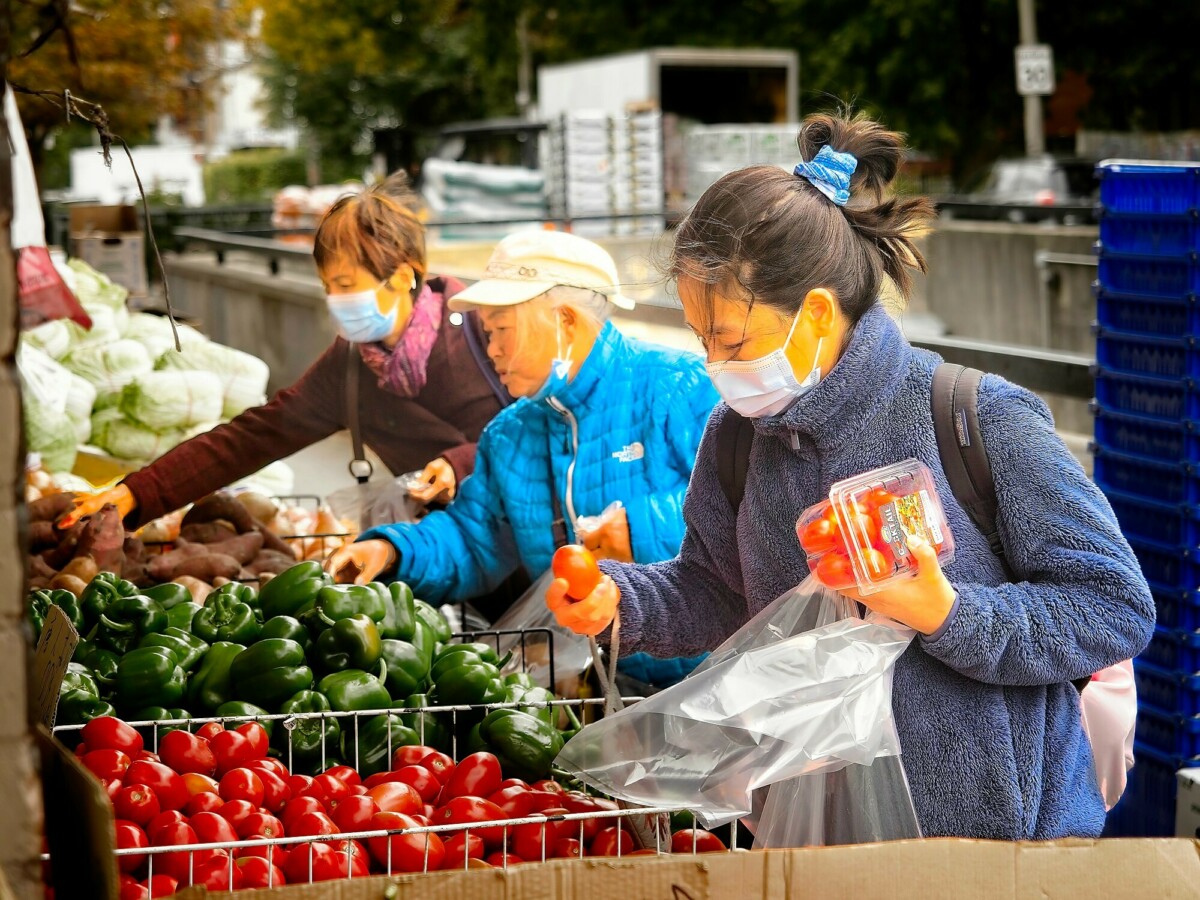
column 1138, row 314
column 1161, row 689
column 1173, row 568
column 1161, row 523
column 1171, row 733
column 1148, row 438
column 1155, row 276
column 1176, row 651
column 1149, row 235
column 1164, row 399
column 1176, row 610
column 1156, row 356
column 1150, row 478
column 1133, row 187
column 1147, row 808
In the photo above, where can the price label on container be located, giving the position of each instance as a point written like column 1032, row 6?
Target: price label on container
column 1035, row 70
column 54, row 651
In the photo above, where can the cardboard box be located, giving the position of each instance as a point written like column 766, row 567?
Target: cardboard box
column 941, row 869
column 110, row 239
column 1187, row 806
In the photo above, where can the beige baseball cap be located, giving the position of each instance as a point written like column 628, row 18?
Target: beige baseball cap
column 529, row 263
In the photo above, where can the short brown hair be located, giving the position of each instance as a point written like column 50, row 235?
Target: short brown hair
column 380, row 229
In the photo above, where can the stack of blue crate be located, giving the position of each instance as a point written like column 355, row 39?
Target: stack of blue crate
column 1147, row 452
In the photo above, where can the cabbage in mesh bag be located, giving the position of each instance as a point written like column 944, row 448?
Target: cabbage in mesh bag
column 167, row 400
column 95, row 288
column 119, row 437
column 45, row 385
column 81, row 398
column 52, row 338
column 155, row 333
column 109, row 367
column 244, row 377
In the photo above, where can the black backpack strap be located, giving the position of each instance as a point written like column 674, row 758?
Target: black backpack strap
column 735, row 436
column 360, row 467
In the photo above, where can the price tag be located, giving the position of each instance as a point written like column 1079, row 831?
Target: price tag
column 1035, row 70
column 54, row 650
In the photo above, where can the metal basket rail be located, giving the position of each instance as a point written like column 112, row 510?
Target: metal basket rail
column 526, row 639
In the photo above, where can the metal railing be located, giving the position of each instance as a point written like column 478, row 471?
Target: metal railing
column 1034, row 368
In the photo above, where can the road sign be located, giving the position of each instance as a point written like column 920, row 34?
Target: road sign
column 1035, row 70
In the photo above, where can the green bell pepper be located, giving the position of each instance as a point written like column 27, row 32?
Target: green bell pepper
column 103, row 664
column 350, row 643
column 407, row 668
column 168, row 595
column 525, row 745
column 474, row 741
column 246, row 711
column 370, row 750
column 293, row 591
column 226, row 617
column 429, row 726
column 79, row 678
column 435, row 620
column 100, row 592
column 401, row 618
column 188, row 648
column 341, row 601
column 40, row 603
column 78, row 707
column 211, row 685
column 353, row 690
column 424, row 640
column 150, row 733
column 450, row 661
column 126, row 620
column 306, row 736
column 269, row 672
column 286, row 627
column 483, row 651
column 538, row 695
column 181, row 615
column 520, row 679
column 470, row 683
column 149, row 676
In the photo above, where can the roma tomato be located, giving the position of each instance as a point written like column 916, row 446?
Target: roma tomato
column 259, row 825
column 179, row 864
column 257, row 738
column 315, row 862
column 568, row 848
column 235, row 811
column 299, row 806
column 209, row 730
column 276, row 792
column 548, row 785
column 186, row 753
column 258, row 873
column 203, row 802
column 112, row 787
column 355, row 814
column 477, row 775
column 131, row 889
column 410, row 755
column 500, row 860
column 160, row 886
column 834, row 571
column 242, row 784
column 441, row 765
column 545, row 800
column 514, row 782
column 312, row 824
column 108, row 733
column 576, row 565
column 404, row 852
column 270, row 764
column 469, row 811
column 169, row 787
column 298, row 783
column 107, row 765
column 684, row 841
column 534, row 841
column 331, row 788
column 515, row 802
column 164, row 820
column 396, row 797
column 211, row 828
column 131, row 837
column 461, row 848
column 200, row 784
column 612, row 841
column 344, row 774
column 421, row 780
column 147, row 756
column 231, row 751
column 136, row 804
column 218, row 873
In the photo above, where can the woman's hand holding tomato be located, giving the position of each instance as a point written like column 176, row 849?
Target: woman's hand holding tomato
column 581, row 597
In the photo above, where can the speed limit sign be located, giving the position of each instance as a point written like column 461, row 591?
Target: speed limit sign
column 1035, row 69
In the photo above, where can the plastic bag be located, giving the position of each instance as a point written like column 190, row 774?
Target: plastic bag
column 804, row 688
column 380, row 502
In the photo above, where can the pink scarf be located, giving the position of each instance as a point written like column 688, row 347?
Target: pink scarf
column 401, row 370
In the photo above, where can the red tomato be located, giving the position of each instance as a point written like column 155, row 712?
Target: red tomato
column 548, row 785
column 315, row 862
column 820, row 536
column 880, row 496
column 108, row 733
column 231, row 750
column 146, row 755
column 257, row 736
column 358, row 790
column 567, row 848
column 514, row 782
column 344, row 774
column 862, row 529
column 112, row 787
column 200, row 784
column 209, row 730
column 276, row 792
column 297, row 807
column 503, row 860
column 131, row 836
column 544, row 800
column 160, row 886
column 441, row 765
column 534, row 841
column 355, row 814
column 405, row 852
column 258, row 873
column 259, row 825
column 179, row 864
column 312, row 824
column 834, row 571
column 211, row 828
column 185, row 753
column 80, row 749
column 107, row 765
column 396, row 796
column 701, row 842
column 330, row 788
column 203, row 802
column 235, row 811
column 356, row 861
column 163, row 820
column 612, row 841
column 170, row 788
column 410, row 755
column 878, row 568
column 219, row 873
column 471, row 810
column 242, row 784
column 461, row 848
column 577, row 566
column 298, row 783
column 136, row 804
column 131, row 889
column 419, row 779
column 577, row 802
column 270, row 764
column 477, row 775
column 515, row 802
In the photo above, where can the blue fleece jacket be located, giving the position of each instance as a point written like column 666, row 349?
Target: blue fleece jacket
column 639, row 411
column 988, row 720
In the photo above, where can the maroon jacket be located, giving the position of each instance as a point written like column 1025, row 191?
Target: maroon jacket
column 445, row 419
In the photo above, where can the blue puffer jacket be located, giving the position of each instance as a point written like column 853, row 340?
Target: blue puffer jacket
column 630, row 420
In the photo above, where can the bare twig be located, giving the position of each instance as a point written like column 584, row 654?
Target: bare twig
column 94, row 115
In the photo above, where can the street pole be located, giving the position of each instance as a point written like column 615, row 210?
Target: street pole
column 1035, row 139
column 524, row 67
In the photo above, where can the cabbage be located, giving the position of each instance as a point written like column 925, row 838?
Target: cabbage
column 119, row 437
column 44, row 383
column 161, row 400
column 273, row 480
column 107, row 325
column 54, row 440
column 244, row 377
column 154, row 332
column 109, row 367
column 81, row 398
column 95, row 288
column 52, row 338
column 82, row 429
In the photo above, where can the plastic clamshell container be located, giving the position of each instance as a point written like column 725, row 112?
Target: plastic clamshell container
column 867, row 523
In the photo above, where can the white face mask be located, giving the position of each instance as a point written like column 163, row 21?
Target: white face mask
column 756, row 388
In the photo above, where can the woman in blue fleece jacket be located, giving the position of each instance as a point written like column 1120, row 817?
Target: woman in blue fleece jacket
column 779, row 275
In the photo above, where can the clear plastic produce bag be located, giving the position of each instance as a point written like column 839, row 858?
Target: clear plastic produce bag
column 380, row 502
column 532, row 653
column 799, row 701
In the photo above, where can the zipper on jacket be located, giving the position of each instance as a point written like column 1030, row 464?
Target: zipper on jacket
column 570, row 417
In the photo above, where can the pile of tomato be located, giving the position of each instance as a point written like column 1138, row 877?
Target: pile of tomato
column 829, row 538
column 218, row 786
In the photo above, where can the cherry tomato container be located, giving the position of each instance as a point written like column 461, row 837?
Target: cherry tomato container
column 859, row 536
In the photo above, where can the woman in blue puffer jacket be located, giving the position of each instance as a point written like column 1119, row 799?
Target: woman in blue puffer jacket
column 601, row 418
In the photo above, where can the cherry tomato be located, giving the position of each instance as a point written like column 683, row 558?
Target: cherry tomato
column 219, row 873
column 410, row 755
column 136, row 804
column 567, row 848
column 344, row 774
column 477, row 775
column 231, row 751
column 131, row 836
column 108, row 733
column 163, row 820
column 701, row 842
column 577, row 566
column 185, row 753
column 462, row 847
column 355, row 813
column 257, row 737
column 169, row 787
column 258, row 873
column 862, row 529
column 441, row 765
column 515, row 802
column 503, row 860
column 878, row 568
column 200, row 784
column 206, row 801
column 820, row 536
column 299, row 806
column 209, row 730
column 405, row 852
column 107, row 765
column 242, row 784
column 311, row 824
column 612, row 841
column 160, row 886
column 834, row 571
column 235, row 811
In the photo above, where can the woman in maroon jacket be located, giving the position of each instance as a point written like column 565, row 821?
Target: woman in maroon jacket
column 425, row 387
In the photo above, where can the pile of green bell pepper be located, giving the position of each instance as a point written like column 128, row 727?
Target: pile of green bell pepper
column 229, row 615
column 40, row 603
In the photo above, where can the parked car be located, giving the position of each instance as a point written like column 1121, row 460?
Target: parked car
column 1044, row 188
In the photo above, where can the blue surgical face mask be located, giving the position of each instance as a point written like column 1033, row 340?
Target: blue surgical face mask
column 357, row 316
column 560, row 370
column 766, row 386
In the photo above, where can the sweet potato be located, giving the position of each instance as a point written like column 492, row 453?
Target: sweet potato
column 37, row 584
column 59, row 556
column 104, row 540
column 135, row 550
column 68, row 583
column 207, row 568
column 161, row 567
column 138, row 573
column 42, row 536
column 243, row 548
column 37, row 568
column 208, row 532
column 82, row 567
column 51, row 508
column 272, row 541
column 197, row 588
column 220, row 506
column 270, row 561
column 263, row 509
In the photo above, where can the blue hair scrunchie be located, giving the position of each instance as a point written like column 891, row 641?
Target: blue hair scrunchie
column 829, row 172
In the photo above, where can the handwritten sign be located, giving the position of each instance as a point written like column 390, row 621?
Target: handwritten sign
column 54, row 650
